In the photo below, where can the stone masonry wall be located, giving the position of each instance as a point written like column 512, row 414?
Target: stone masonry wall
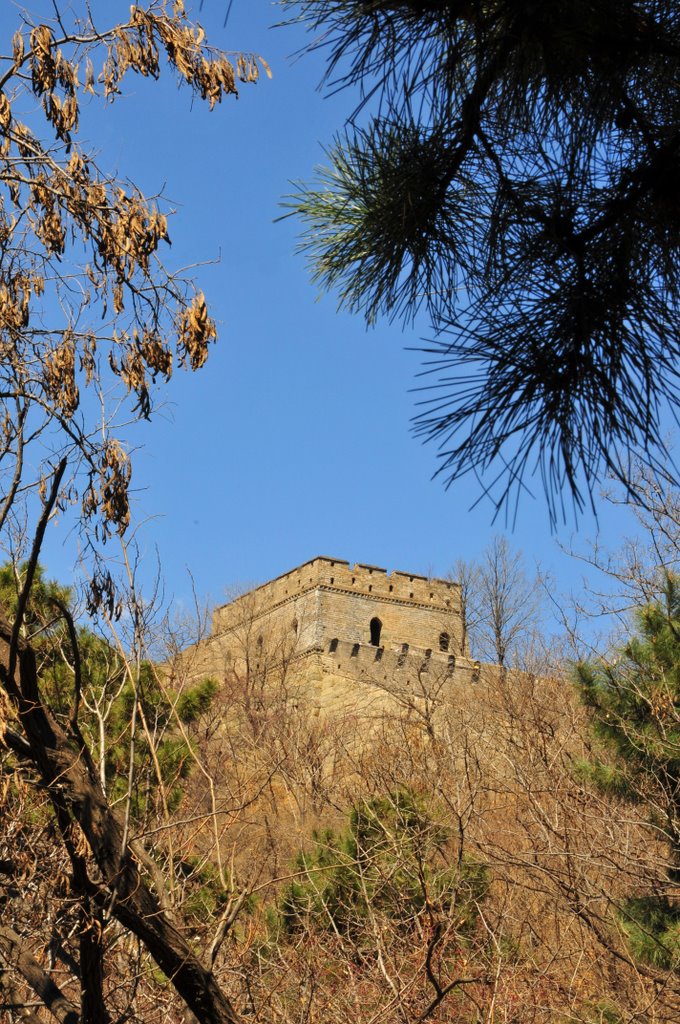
column 332, row 626
column 407, row 670
column 348, row 617
column 412, row 609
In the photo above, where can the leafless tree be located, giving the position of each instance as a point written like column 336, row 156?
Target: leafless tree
column 500, row 603
column 87, row 308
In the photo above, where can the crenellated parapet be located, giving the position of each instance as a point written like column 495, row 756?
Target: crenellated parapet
column 329, row 626
column 410, row 669
column 361, row 603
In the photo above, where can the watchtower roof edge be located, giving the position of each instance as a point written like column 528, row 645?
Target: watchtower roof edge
column 364, row 566
column 282, row 575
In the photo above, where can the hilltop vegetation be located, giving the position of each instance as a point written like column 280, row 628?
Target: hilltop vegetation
column 485, row 866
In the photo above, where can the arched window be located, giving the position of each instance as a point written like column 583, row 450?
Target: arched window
column 375, row 628
column 444, row 641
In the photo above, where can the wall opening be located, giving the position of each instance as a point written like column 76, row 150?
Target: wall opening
column 376, row 629
column 444, row 641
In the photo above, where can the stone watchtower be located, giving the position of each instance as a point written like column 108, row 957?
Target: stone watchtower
column 328, row 620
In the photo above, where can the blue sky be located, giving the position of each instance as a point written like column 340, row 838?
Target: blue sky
column 294, row 440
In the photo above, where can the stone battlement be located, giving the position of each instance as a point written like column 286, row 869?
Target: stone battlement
column 329, row 620
column 411, row 669
column 338, row 575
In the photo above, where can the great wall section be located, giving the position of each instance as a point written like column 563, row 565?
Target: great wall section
column 345, row 633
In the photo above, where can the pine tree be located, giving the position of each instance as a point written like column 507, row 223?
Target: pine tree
column 517, row 178
column 634, row 701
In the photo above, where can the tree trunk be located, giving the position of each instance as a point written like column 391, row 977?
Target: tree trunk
column 69, row 774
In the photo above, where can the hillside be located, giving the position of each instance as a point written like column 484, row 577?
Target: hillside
column 421, row 844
